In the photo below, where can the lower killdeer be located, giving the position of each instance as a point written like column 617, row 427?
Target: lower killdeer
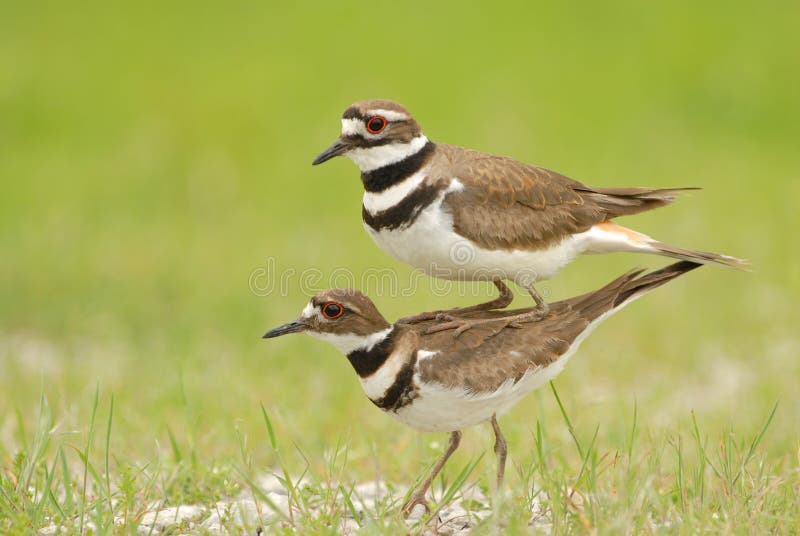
column 465, row 215
column 433, row 382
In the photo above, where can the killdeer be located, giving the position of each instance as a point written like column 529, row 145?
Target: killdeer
column 460, row 214
column 433, row 382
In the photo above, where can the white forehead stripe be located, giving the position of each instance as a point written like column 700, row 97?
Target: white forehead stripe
column 390, row 115
column 352, row 126
column 309, row 311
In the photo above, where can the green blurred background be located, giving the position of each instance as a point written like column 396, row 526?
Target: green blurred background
column 154, row 156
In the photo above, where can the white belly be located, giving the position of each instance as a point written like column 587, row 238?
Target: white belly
column 431, row 245
column 441, row 409
column 438, row 409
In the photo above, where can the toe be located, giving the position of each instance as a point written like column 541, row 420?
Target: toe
column 411, row 505
column 441, row 327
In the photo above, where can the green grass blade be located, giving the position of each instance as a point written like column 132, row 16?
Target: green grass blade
column 755, row 442
column 261, row 495
column 349, row 502
column 46, row 493
column 85, row 457
column 173, row 442
column 456, row 485
column 270, row 429
column 566, row 420
column 66, row 479
column 107, row 453
column 585, row 461
column 633, row 430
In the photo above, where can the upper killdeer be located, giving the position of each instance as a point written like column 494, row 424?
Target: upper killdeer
column 461, row 214
column 434, row 382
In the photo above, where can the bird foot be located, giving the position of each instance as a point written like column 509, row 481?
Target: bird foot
column 460, row 325
column 413, row 501
column 421, row 317
column 443, row 313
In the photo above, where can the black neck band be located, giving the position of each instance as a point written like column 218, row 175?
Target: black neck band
column 385, row 177
column 366, row 362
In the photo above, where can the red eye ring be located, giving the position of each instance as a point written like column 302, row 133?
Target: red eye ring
column 378, row 120
column 332, row 310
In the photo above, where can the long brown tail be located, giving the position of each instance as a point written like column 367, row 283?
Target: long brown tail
column 634, row 288
column 626, row 288
column 627, row 201
column 610, row 237
column 702, row 257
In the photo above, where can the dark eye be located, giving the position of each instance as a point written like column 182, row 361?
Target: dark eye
column 375, row 124
column 332, row 310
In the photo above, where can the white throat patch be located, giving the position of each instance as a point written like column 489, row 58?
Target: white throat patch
column 350, row 342
column 370, row 158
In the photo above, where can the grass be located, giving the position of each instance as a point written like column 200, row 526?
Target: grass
column 155, row 171
column 686, row 483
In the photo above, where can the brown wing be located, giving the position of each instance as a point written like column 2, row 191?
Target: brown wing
column 481, row 360
column 506, row 204
column 480, row 363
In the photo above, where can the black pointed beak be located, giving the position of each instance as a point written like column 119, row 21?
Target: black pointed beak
column 291, row 327
column 338, row 148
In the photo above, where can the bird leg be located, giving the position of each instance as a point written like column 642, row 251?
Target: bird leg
column 539, row 312
column 501, row 302
column 500, row 450
column 418, row 496
column 460, row 325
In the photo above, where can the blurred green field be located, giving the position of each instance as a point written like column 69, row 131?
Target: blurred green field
column 154, row 157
